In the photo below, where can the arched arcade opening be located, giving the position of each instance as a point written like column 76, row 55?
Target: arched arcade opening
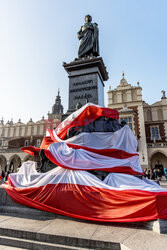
column 3, row 163
column 14, row 163
column 159, row 161
column 29, row 158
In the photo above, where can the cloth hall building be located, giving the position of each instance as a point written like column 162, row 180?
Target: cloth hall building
column 149, row 122
column 13, row 136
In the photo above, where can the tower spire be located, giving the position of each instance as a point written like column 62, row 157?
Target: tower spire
column 57, row 107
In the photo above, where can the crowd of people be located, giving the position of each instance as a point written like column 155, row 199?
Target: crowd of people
column 152, row 174
column 155, row 174
column 4, row 176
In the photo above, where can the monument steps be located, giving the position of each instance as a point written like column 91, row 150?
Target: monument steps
column 34, row 240
column 31, row 244
column 9, row 207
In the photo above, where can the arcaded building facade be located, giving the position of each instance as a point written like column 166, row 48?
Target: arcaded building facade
column 149, row 122
column 13, row 136
column 155, row 117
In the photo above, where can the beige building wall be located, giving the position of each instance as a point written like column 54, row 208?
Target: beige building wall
column 126, row 95
column 149, row 122
column 13, row 136
column 156, row 118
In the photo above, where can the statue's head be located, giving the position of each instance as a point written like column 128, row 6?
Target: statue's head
column 88, row 19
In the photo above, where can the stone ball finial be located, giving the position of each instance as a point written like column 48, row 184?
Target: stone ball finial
column 2, row 121
column 11, row 122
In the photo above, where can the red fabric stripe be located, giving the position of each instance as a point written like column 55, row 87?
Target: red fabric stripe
column 30, row 150
column 47, row 140
column 91, row 203
column 115, row 153
column 162, row 205
column 88, row 115
column 52, row 136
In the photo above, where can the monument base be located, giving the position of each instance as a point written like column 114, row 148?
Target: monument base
column 86, row 82
column 8, row 206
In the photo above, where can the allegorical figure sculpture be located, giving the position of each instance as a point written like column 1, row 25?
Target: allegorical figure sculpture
column 89, row 39
column 163, row 94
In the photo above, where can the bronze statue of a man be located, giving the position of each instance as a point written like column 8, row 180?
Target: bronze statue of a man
column 89, row 38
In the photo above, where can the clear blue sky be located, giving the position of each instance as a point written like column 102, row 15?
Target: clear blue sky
column 36, row 36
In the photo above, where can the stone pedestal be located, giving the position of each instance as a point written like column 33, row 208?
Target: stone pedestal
column 8, row 206
column 86, row 82
column 160, row 226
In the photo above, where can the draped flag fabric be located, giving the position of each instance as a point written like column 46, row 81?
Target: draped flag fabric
column 80, row 159
column 79, row 194
column 84, row 116
column 70, row 190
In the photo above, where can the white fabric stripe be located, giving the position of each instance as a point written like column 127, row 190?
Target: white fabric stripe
column 86, row 160
column 123, row 139
column 29, row 178
column 124, row 181
column 55, row 176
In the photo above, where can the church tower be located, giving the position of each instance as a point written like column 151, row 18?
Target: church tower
column 57, row 108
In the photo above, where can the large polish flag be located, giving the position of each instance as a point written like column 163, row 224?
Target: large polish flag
column 72, row 191
column 84, row 116
column 79, row 194
column 104, row 151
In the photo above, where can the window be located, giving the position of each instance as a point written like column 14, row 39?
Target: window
column 26, row 143
column 128, row 121
column 155, row 133
column 38, row 143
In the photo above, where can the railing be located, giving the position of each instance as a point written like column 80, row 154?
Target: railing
column 9, row 150
column 157, row 145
